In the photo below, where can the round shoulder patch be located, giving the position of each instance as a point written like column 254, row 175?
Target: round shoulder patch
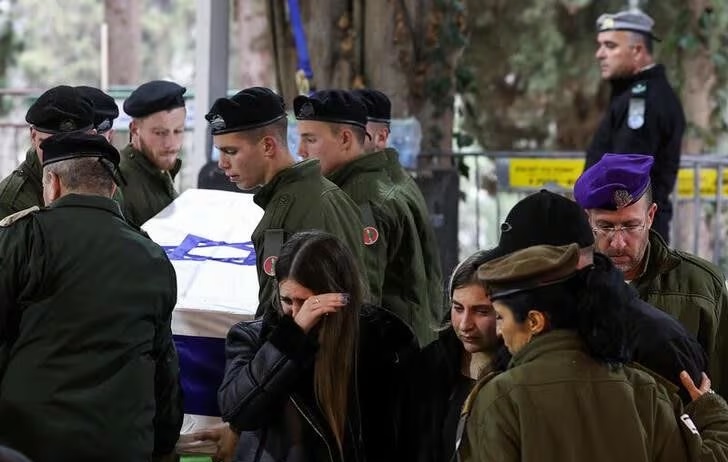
column 370, row 235
column 269, row 265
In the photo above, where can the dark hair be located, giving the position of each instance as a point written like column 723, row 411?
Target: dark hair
column 322, row 263
column 360, row 133
column 593, row 302
column 277, row 130
column 466, row 272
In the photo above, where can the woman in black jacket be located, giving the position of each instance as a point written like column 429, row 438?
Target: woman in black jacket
column 446, row 370
column 303, row 383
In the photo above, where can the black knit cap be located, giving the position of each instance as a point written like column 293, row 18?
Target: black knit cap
column 335, row 106
column 105, row 108
column 61, row 109
column 67, row 146
column 154, row 96
column 251, row 108
column 379, row 108
column 544, row 218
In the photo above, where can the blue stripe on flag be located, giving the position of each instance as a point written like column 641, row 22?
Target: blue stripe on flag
column 202, row 366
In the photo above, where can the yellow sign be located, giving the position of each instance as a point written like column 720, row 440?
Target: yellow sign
column 534, row 172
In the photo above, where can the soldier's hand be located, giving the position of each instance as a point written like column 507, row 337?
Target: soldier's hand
column 694, row 391
column 317, row 306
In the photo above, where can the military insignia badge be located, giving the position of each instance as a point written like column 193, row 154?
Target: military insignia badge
column 370, row 235
column 622, row 198
column 639, row 88
column 269, row 266
column 67, row 126
column 103, row 126
column 217, row 122
column 306, row 110
column 607, row 24
column 636, row 113
column 505, row 227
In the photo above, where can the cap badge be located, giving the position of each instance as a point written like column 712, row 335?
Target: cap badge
column 622, row 198
column 505, row 227
column 608, row 23
column 67, row 126
column 217, row 122
column 103, row 126
column 306, row 110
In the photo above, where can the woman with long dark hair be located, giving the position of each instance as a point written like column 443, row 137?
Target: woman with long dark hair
column 298, row 383
column 567, row 394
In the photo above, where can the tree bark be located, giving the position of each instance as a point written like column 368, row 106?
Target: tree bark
column 125, row 35
column 255, row 65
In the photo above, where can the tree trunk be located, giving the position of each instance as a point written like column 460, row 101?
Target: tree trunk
column 254, row 48
column 125, row 34
column 699, row 80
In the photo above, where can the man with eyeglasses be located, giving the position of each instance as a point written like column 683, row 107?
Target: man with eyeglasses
column 644, row 115
column 616, row 193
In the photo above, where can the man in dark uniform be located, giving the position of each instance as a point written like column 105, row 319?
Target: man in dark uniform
column 645, row 115
column 88, row 369
column 250, row 131
column 617, row 195
column 332, row 128
column 150, row 161
column 59, row 110
column 379, row 116
column 105, row 111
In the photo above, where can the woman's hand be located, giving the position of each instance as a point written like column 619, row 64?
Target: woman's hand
column 694, row 391
column 316, row 306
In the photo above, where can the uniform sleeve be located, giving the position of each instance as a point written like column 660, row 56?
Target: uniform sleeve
column 492, row 433
column 719, row 355
column 167, row 389
column 260, row 376
column 704, row 426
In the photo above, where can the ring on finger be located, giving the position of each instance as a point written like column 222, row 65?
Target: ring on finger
column 317, row 300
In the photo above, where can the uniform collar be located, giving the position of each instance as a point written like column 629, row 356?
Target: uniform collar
column 553, row 341
column 296, row 172
column 373, row 162
column 89, row 201
column 35, row 169
column 659, row 257
column 621, row 85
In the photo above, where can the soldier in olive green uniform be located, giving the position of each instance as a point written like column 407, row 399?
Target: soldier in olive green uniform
column 149, row 163
column 379, row 115
column 88, row 368
column 250, row 130
column 331, row 126
column 58, row 110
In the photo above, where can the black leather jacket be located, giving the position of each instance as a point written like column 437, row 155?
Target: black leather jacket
column 267, row 393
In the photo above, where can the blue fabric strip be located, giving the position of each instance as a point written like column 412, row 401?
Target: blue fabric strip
column 202, row 366
column 192, row 242
column 299, row 37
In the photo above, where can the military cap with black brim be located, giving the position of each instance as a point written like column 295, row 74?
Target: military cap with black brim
column 61, row 109
column 528, row 269
column 379, row 107
column 248, row 109
column 154, row 96
column 66, row 146
column 333, row 106
column 105, row 108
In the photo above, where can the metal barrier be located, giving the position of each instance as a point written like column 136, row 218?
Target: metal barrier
column 518, row 173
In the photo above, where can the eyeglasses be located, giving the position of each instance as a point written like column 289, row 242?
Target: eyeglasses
column 610, row 231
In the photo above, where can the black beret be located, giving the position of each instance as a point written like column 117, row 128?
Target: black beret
column 544, row 218
column 379, row 108
column 154, row 96
column 248, row 109
column 66, row 146
column 61, row 109
column 335, row 106
column 105, row 108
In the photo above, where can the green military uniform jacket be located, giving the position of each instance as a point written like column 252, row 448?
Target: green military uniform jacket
column 556, row 403
column 393, row 252
column 148, row 190
column 693, row 291
column 299, row 198
column 88, row 369
column 23, row 188
column 411, row 194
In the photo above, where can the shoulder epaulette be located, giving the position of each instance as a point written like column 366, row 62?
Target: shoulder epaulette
column 10, row 219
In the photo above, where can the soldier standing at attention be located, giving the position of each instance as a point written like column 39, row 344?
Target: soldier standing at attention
column 150, row 161
column 250, row 131
column 332, row 128
column 61, row 109
column 644, row 115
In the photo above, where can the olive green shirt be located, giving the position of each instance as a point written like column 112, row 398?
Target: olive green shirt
column 148, row 190
column 299, row 198
column 393, row 252
column 23, row 188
